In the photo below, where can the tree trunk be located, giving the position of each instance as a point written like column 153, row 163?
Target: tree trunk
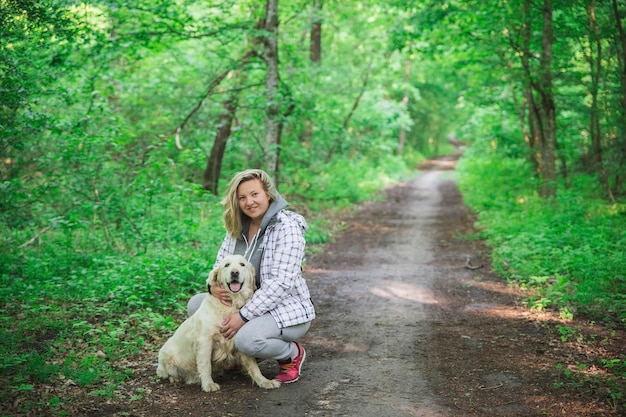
column 214, row 164
column 548, row 112
column 281, row 124
column 622, row 122
column 315, row 57
column 540, row 97
column 315, row 47
column 595, row 68
column 213, row 168
column 272, row 82
column 534, row 126
column 405, row 106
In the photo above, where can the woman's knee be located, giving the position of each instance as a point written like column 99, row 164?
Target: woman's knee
column 249, row 344
column 194, row 303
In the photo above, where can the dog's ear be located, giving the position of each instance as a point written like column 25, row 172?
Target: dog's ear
column 212, row 279
column 252, row 275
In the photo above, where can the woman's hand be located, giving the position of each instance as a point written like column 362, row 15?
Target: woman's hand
column 231, row 325
column 218, row 291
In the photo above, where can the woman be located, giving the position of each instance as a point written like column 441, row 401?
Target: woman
column 272, row 239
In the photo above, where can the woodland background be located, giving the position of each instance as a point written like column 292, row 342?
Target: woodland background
column 122, row 121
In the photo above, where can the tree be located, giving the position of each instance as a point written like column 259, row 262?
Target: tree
column 531, row 130
column 214, row 164
column 594, row 58
column 621, row 59
column 272, row 84
column 213, row 168
column 538, row 93
column 547, row 110
column 405, row 103
column 316, row 33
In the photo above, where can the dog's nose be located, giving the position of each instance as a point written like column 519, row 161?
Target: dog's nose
column 234, row 273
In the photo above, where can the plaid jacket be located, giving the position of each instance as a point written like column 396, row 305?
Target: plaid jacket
column 283, row 291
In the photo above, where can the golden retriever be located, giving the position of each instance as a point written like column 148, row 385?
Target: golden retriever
column 197, row 351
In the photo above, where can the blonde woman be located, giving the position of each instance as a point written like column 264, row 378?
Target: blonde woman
column 259, row 227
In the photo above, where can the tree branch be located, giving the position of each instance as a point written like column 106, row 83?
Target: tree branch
column 468, row 264
column 29, row 242
column 355, row 105
column 220, row 77
column 47, row 228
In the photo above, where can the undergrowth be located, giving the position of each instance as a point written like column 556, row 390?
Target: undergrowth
column 102, row 285
column 569, row 249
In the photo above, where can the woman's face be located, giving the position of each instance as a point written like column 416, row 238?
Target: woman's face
column 253, row 200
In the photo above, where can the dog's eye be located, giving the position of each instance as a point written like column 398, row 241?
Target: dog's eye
column 227, row 265
column 242, row 264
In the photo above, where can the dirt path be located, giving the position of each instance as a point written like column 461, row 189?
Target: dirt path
column 374, row 291
column 404, row 328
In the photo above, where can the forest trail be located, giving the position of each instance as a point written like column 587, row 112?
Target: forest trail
column 405, row 327
column 374, row 293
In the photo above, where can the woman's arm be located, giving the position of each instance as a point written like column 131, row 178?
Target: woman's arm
column 218, row 291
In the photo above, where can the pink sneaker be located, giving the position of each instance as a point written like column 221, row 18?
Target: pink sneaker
column 290, row 371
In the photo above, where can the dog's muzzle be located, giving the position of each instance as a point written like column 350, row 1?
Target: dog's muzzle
column 234, row 285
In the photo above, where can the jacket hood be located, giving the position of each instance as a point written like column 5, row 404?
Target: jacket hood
column 275, row 206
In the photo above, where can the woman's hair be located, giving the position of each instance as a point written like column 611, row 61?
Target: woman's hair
column 232, row 212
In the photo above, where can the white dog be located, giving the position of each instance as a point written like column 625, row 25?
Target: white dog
column 197, row 351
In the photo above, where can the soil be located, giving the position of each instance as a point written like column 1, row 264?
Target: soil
column 411, row 321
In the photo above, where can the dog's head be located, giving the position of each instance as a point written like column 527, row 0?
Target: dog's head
column 237, row 275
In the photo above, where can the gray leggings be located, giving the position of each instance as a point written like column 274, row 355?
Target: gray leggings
column 261, row 337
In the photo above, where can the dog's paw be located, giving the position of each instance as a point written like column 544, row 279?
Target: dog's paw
column 173, row 379
column 210, row 387
column 269, row 384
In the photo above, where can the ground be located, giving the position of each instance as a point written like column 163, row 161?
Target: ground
column 411, row 321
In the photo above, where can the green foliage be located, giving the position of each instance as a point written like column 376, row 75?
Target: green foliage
column 612, row 385
column 345, row 182
column 571, row 247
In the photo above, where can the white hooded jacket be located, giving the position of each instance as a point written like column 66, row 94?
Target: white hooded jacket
column 282, row 291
